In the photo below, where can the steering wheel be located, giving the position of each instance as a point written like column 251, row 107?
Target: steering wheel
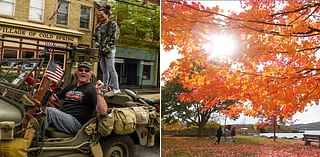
column 52, row 103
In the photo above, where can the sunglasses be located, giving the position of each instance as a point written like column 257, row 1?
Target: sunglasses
column 84, row 70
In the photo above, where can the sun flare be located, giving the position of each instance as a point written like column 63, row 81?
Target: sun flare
column 220, row 46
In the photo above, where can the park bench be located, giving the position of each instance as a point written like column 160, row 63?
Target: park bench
column 308, row 138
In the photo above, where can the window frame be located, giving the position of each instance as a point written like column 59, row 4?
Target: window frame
column 68, row 13
column 42, row 15
column 149, row 73
column 27, row 51
column 4, row 49
column 64, row 58
column 89, row 17
column 13, row 9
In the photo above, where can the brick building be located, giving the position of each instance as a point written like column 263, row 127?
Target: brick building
column 45, row 22
column 64, row 23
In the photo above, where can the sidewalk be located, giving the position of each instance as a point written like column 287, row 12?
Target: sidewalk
column 151, row 96
column 148, row 90
column 151, row 93
column 141, row 90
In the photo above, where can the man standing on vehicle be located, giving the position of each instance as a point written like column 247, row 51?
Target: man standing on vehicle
column 80, row 101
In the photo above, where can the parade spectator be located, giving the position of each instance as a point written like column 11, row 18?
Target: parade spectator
column 233, row 134
column 218, row 135
column 104, row 38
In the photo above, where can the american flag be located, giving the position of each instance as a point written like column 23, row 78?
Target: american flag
column 55, row 12
column 54, row 72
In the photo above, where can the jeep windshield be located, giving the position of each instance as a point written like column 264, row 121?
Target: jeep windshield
column 14, row 72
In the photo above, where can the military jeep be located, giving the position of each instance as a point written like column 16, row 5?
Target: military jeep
column 22, row 132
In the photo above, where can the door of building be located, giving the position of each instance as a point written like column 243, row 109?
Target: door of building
column 132, row 72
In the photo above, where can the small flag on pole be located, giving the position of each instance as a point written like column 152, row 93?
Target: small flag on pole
column 51, row 46
column 46, row 50
column 55, row 12
column 54, row 72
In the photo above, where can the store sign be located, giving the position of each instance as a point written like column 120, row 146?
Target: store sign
column 37, row 34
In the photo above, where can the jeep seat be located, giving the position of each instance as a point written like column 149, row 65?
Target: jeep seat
column 9, row 112
column 54, row 133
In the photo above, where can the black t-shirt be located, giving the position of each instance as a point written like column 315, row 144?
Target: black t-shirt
column 79, row 102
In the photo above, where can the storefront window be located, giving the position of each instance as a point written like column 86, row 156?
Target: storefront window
column 85, row 17
column 146, row 72
column 36, row 10
column 7, row 53
column 27, row 54
column 59, row 59
column 62, row 15
column 7, row 7
column 46, row 56
column 81, row 58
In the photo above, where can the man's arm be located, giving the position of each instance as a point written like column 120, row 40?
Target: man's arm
column 102, row 106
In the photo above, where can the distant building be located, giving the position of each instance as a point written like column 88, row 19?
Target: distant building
column 64, row 23
column 45, row 22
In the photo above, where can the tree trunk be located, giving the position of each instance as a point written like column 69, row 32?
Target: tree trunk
column 274, row 128
column 200, row 131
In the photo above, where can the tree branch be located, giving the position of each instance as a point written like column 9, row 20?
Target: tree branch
column 297, row 10
column 225, row 16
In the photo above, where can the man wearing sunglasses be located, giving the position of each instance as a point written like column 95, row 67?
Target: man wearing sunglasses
column 80, row 100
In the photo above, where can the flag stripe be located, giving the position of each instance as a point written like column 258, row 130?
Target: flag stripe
column 54, row 72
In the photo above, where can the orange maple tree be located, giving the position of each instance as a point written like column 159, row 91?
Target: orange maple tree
column 275, row 66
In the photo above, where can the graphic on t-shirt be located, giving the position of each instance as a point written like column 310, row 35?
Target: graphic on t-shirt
column 74, row 96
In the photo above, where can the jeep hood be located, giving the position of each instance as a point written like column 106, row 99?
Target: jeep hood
column 9, row 112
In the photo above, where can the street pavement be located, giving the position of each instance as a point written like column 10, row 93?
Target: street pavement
column 143, row 151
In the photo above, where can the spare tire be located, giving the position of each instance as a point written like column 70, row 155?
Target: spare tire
column 10, row 112
column 118, row 146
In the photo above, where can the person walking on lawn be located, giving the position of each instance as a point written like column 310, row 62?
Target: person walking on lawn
column 218, row 135
column 233, row 134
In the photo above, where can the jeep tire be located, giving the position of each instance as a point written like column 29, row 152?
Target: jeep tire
column 118, row 146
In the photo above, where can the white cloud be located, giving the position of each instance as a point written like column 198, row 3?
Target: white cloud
column 311, row 115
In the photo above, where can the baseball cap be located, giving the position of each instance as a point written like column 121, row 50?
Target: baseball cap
column 85, row 65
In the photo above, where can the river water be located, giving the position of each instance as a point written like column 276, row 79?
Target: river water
column 291, row 135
